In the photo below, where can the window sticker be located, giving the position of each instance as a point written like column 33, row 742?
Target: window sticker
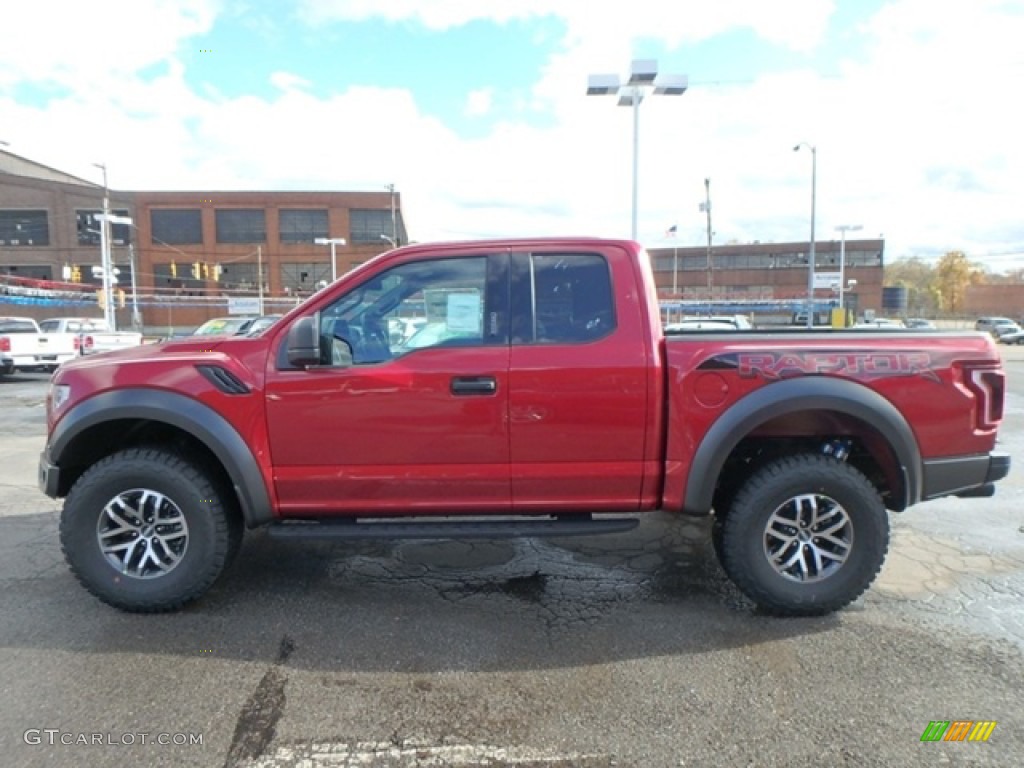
column 464, row 313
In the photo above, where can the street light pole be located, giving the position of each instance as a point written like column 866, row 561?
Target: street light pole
column 105, row 266
column 643, row 75
column 707, row 209
column 332, row 241
column 843, row 229
column 811, row 258
column 394, row 217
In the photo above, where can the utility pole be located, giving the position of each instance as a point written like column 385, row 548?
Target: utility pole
column 136, row 316
column 707, row 210
column 105, row 265
column 394, row 218
column 259, row 274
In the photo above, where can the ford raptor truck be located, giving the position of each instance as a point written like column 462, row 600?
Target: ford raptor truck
column 513, row 388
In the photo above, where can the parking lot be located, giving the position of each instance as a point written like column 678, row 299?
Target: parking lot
column 626, row 650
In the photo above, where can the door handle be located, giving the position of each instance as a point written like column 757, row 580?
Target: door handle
column 474, row 385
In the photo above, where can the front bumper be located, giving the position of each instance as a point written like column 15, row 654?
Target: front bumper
column 964, row 475
column 49, row 476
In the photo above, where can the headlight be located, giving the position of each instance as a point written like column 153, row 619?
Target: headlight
column 59, row 394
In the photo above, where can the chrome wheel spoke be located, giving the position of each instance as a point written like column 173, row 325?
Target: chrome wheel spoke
column 808, row 538
column 142, row 533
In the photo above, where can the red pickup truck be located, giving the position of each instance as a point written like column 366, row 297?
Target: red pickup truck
column 513, row 388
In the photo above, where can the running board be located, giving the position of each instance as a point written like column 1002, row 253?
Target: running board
column 338, row 530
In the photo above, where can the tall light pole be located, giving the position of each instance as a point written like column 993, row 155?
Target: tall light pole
column 843, row 229
column 105, row 266
column 810, row 258
column 706, row 207
column 643, row 77
column 394, row 217
column 332, row 241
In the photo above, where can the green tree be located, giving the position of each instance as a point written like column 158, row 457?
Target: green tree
column 953, row 274
column 918, row 277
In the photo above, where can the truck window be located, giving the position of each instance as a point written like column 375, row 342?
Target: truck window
column 409, row 307
column 561, row 298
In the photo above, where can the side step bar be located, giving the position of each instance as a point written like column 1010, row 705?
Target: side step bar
column 347, row 529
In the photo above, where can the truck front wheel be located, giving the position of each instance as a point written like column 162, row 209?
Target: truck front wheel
column 144, row 530
column 804, row 536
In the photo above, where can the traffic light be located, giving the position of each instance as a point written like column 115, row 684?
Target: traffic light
column 217, row 272
column 174, row 269
column 197, row 271
column 206, row 271
column 76, row 274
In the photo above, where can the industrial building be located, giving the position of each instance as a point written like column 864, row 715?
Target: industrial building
column 188, row 256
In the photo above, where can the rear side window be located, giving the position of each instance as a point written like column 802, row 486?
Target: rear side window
column 11, row 325
column 561, row 298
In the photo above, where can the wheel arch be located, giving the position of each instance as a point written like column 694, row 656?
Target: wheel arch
column 851, row 402
column 120, row 418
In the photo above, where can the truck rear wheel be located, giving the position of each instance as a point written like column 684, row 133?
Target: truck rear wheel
column 146, row 531
column 804, row 536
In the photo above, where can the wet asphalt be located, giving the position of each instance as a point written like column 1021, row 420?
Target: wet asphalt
column 624, row 650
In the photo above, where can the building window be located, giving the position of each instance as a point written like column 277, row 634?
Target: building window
column 176, row 226
column 302, row 226
column 241, row 225
column 240, row 277
column 24, row 228
column 368, row 225
column 302, row 278
column 28, row 271
column 89, row 228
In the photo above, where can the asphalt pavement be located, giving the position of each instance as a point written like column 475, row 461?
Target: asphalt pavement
column 626, row 650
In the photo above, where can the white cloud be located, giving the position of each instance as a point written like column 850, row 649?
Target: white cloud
column 794, row 23
column 88, row 46
column 286, row 81
column 479, row 102
column 917, row 137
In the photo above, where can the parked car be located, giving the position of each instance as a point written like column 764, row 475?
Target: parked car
column 1012, row 338
column 1005, row 329
column 880, row 324
column 235, row 325
column 706, row 324
column 261, row 324
column 699, row 324
column 988, row 324
column 918, row 322
column 90, row 335
column 24, row 347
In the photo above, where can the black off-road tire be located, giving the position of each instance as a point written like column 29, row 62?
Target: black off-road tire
column 166, row 530
column 812, row 567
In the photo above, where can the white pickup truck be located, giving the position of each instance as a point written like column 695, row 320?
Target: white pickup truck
column 24, row 347
column 90, row 334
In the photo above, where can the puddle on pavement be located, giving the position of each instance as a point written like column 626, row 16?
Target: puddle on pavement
column 664, row 558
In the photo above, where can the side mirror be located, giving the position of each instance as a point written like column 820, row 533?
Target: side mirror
column 304, row 342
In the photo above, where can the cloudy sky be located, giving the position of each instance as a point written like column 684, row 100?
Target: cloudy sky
column 477, row 111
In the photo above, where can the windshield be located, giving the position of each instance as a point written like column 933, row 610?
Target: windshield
column 223, row 326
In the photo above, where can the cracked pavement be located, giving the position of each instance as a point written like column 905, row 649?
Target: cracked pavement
column 624, row 650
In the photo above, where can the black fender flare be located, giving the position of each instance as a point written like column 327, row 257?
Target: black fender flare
column 807, row 393
column 191, row 416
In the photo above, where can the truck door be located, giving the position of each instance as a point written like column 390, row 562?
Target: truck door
column 408, row 410
column 578, row 384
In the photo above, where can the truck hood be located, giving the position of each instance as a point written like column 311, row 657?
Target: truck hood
column 189, row 348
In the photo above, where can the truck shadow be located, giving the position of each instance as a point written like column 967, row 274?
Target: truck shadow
column 419, row 606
